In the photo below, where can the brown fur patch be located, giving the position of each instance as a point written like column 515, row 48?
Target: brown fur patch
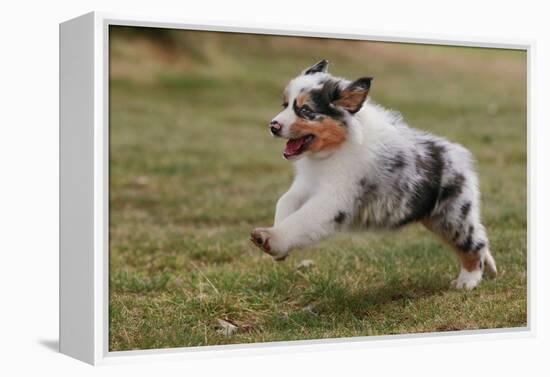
column 328, row 133
column 352, row 100
column 470, row 261
column 302, row 99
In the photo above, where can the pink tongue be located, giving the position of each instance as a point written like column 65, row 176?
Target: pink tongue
column 293, row 146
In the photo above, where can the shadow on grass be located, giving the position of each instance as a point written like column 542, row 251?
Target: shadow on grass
column 377, row 309
column 363, row 303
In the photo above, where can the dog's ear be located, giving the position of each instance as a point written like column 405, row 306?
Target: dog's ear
column 352, row 97
column 321, row 66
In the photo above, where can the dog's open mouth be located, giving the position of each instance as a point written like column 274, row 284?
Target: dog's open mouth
column 294, row 147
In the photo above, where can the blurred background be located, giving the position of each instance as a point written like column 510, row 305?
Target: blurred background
column 193, row 170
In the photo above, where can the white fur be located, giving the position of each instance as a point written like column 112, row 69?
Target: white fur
column 322, row 184
column 467, row 280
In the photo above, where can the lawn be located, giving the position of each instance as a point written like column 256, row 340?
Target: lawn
column 193, row 171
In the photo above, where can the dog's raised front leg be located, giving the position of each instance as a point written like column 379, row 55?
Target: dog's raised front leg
column 318, row 218
column 289, row 203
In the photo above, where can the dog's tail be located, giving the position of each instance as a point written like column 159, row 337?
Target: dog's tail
column 490, row 265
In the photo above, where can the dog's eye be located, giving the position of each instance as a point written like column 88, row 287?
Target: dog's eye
column 285, row 105
column 306, row 112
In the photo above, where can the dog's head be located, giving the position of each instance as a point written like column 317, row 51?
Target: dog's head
column 317, row 111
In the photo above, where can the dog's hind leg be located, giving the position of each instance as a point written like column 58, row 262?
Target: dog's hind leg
column 471, row 246
column 461, row 229
column 490, row 265
column 456, row 219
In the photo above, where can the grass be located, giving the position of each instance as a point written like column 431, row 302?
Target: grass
column 193, row 170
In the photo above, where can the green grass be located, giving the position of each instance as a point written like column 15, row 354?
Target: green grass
column 193, row 171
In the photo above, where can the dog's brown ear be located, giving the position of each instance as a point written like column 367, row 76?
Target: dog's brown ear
column 352, row 97
column 321, row 66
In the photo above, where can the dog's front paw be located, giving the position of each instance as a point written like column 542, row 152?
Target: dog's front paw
column 260, row 237
column 266, row 240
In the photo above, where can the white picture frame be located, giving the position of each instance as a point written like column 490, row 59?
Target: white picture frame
column 84, row 192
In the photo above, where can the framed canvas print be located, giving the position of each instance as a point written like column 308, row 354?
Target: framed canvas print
column 228, row 188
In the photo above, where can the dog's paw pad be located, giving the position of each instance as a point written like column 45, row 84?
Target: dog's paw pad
column 260, row 238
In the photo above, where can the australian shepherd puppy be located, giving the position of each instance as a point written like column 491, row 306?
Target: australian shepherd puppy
column 359, row 165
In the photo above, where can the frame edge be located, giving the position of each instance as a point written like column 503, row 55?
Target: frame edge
column 76, row 188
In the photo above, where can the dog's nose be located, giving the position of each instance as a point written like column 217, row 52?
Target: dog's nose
column 275, row 127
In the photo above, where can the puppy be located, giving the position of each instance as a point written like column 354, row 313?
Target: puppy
column 359, row 165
